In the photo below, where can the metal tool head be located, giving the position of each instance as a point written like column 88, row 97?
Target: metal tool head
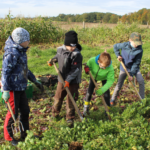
column 17, row 127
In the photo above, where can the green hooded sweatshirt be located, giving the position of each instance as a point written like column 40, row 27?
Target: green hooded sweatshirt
column 102, row 74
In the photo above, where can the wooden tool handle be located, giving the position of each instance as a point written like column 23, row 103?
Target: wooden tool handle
column 103, row 100
column 12, row 114
column 131, row 82
column 68, row 92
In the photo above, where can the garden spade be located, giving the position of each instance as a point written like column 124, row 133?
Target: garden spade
column 131, row 82
column 103, row 100
column 68, row 92
column 16, row 123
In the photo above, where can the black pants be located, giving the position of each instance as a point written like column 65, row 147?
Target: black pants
column 91, row 89
column 18, row 101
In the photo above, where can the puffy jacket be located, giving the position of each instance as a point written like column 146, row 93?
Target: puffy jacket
column 131, row 56
column 70, row 64
column 101, row 74
column 15, row 73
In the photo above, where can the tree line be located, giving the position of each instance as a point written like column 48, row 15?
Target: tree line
column 88, row 17
column 142, row 16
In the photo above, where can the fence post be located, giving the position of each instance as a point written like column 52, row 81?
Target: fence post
column 83, row 25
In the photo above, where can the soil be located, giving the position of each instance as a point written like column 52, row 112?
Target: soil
column 75, row 146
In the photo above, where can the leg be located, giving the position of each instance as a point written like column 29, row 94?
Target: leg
column 120, row 82
column 141, row 84
column 8, row 135
column 58, row 99
column 88, row 97
column 69, row 105
column 106, row 94
column 24, row 113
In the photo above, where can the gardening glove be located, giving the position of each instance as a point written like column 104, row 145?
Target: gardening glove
column 86, row 68
column 66, row 84
column 39, row 85
column 6, row 96
column 86, row 108
column 50, row 63
column 99, row 92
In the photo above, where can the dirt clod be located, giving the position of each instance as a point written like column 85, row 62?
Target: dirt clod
column 75, row 146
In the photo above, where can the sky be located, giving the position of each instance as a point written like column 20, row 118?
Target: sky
column 34, row 8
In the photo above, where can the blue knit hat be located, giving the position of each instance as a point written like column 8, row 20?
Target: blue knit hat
column 20, row 35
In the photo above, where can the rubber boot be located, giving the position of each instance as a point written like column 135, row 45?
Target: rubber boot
column 86, row 105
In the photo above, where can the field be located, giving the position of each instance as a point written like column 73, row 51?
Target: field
column 130, row 125
column 68, row 25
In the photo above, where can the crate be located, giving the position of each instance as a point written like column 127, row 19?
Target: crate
column 1, row 100
column 29, row 90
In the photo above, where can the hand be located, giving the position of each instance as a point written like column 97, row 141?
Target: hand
column 119, row 58
column 99, row 92
column 39, row 85
column 50, row 63
column 130, row 78
column 6, row 96
column 66, row 84
column 87, row 69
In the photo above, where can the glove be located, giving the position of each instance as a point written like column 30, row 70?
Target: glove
column 6, row 96
column 50, row 63
column 39, row 85
column 86, row 108
column 99, row 92
column 86, row 68
column 66, row 84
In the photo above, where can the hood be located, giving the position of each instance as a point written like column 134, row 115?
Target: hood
column 96, row 60
column 11, row 44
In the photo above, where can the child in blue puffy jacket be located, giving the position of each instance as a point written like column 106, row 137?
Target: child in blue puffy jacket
column 15, row 75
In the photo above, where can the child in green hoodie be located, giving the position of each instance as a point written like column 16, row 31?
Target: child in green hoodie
column 102, row 70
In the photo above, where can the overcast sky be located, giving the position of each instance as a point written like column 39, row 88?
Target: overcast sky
column 32, row 8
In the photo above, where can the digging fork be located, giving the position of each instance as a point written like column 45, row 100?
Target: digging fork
column 15, row 122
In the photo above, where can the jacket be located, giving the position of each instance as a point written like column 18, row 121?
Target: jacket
column 70, row 64
column 131, row 56
column 101, row 74
column 15, row 73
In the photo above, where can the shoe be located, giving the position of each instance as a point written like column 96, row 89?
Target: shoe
column 86, row 111
column 23, row 135
column 70, row 122
column 112, row 103
column 14, row 142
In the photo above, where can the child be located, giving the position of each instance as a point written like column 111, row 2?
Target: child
column 69, row 59
column 131, row 55
column 102, row 70
column 15, row 75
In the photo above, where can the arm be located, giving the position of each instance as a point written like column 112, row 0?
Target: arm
column 136, row 64
column 54, row 59
column 89, row 63
column 117, row 48
column 31, row 76
column 9, row 63
column 110, row 81
column 75, row 67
